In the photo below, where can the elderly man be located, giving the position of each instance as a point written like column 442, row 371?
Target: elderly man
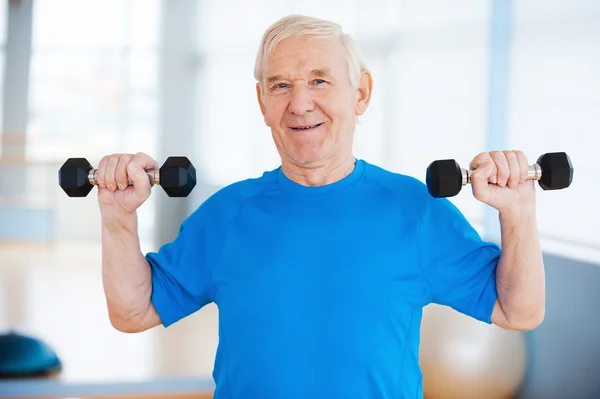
column 321, row 268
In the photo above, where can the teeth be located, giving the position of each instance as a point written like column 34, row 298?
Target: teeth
column 305, row 128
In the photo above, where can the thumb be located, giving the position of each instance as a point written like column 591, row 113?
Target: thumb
column 140, row 179
column 483, row 173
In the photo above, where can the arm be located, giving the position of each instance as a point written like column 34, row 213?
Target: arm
column 126, row 275
column 520, row 279
column 160, row 287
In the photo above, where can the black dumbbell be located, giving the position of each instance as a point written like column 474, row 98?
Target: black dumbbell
column 445, row 177
column 177, row 177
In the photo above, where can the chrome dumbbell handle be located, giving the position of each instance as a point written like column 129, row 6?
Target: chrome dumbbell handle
column 533, row 173
column 153, row 175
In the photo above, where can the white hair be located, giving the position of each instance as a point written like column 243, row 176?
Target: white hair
column 300, row 25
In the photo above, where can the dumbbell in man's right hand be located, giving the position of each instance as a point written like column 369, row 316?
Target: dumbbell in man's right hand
column 177, row 176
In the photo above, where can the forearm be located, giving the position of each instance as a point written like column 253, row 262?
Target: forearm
column 520, row 275
column 126, row 274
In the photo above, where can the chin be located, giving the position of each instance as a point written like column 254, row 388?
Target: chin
column 300, row 160
column 305, row 158
column 305, row 149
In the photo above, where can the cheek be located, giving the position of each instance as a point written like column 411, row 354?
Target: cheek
column 339, row 116
column 274, row 113
column 338, row 107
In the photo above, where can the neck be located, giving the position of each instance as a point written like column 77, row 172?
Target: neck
column 321, row 175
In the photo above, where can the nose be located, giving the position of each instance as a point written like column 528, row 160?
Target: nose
column 301, row 101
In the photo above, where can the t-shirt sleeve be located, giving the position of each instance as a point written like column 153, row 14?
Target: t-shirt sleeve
column 460, row 267
column 182, row 269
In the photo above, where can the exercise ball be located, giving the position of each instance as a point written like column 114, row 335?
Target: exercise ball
column 463, row 358
column 25, row 356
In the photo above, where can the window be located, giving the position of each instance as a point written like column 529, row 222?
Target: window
column 553, row 106
column 93, row 84
column 440, row 86
column 3, row 28
column 93, row 88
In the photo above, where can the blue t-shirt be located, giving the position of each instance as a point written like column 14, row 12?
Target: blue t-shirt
column 320, row 290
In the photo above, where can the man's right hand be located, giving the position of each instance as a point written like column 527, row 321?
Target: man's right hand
column 114, row 174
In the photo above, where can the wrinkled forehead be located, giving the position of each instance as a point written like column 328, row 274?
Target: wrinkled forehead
column 301, row 57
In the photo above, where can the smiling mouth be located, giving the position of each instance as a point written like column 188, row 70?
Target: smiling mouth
column 305, row 128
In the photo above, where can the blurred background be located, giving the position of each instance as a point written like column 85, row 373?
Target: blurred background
column 87, row 78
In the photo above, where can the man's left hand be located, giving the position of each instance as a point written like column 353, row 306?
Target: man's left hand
column 510, row 191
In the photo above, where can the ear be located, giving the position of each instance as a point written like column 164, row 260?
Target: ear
column 260, row 101
column 365, row 87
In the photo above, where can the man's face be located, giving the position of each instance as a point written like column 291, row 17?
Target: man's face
column 308, row 101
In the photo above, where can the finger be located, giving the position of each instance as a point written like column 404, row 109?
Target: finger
column 121, row 176
column 489, row 173
column 137, row 170
column 478, row 160
column 101, row 171
column 483, row 173
column 514, row 169
column 523, row 165
column 145, row 161
column 503, row 170
column 111, row 170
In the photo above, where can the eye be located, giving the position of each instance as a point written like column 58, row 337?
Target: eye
column 278, row 86
column 318, row 81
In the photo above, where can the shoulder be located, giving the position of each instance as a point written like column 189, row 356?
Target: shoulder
column 404, row 187
column 412, row 196
column 227, row 201
column 240, row 191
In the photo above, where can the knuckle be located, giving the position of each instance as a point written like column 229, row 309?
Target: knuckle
column 497, row 156
column 510, row 154
column 520, row 157
column 523, row 157
column 482, row 158
column 103, row 162
column 131, row 168
column 125, row 159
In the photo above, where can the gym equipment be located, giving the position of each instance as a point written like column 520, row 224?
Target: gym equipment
column 445, row 177
column 461, row 357
column 26, row 356
column 177, row 177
